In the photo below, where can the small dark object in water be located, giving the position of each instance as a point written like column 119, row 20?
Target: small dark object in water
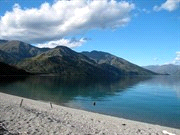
column 94, row 103
column 124, row 124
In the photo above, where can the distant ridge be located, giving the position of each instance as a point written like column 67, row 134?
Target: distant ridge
column 165, row 69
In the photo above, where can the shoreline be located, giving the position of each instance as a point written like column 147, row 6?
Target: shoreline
column 37, row 117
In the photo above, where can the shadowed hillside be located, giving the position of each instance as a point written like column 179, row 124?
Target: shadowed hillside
column 6, row 69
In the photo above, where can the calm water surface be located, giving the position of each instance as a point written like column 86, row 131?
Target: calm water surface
column 149, row 99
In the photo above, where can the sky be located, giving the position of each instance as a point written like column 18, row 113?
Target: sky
column 144, row 32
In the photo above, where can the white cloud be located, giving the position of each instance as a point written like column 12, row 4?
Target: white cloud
column 63, row 42
column 139, row 11
column 169, row 5
column 63, row 18
column 146, row 11
column 156, row 59
column 176, row 61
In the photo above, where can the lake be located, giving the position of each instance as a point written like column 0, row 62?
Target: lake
column 148, row 99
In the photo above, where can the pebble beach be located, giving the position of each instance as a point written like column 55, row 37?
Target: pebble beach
column 22, row 116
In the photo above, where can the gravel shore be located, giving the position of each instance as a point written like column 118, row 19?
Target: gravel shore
column 36, row 117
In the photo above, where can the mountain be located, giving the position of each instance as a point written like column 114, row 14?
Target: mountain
column 11, row 70
column 68, row 63
column 119, row 63
column 165, row 69
column 18, row 50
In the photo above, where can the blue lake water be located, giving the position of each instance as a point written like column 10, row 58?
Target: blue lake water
column 148, row 99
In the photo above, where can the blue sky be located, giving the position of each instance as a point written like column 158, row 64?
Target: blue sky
column 142, row 32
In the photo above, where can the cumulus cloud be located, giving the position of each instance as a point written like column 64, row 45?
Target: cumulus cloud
column 63, row 18
column 71, row 43
column 169, row 5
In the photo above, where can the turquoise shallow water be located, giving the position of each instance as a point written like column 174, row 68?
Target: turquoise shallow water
column 149, row 99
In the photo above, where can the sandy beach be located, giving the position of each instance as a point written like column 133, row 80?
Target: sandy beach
column 36, row 117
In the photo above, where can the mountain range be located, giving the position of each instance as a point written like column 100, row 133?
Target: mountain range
column 65, row 62
column 121, row 64
column 170, row 69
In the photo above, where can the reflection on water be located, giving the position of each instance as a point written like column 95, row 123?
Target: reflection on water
column 53, row 88
column 149, row 99
column 172, row 82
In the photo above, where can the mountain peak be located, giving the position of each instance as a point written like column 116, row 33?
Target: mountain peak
column 61, row 50
column 62, row 47
column 20, row 50
column 3, row 41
